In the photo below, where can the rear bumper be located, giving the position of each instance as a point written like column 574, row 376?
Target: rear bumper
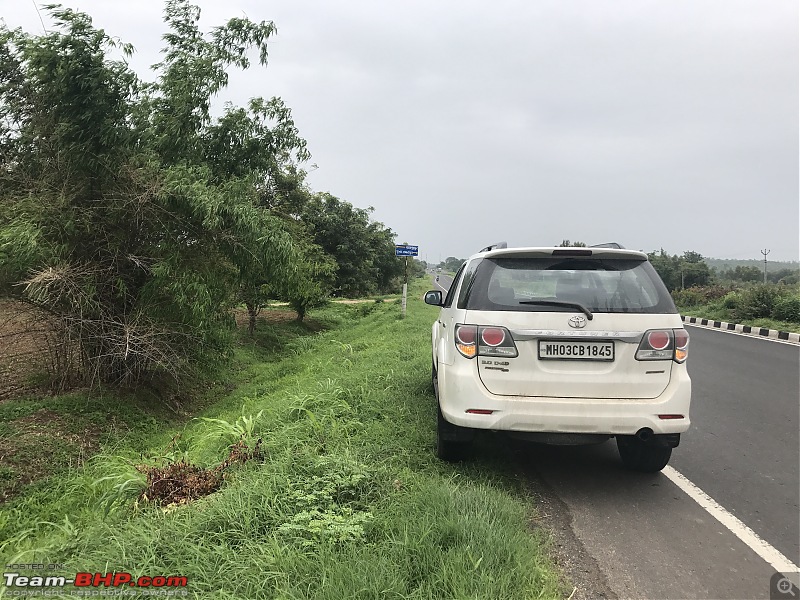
column 460, row 390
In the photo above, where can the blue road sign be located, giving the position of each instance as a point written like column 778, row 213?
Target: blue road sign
column 406, row 250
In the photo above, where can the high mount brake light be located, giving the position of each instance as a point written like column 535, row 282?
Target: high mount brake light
column 664, row 344
column 493, row 341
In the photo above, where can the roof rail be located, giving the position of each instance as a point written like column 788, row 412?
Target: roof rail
column 609, row 245
column 496, row 246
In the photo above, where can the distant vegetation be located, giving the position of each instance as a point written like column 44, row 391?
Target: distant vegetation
column 747, row 304
column 732, row 291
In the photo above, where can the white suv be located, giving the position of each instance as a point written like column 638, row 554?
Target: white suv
column 563, row 346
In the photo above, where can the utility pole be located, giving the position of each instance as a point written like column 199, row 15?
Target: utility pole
column 765, row 252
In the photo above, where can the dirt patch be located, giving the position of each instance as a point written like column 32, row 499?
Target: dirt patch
column 38, row 445
column 270, row 316
column 24, row 353
column 357, row 301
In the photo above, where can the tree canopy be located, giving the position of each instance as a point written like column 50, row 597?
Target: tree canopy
column 132, row 214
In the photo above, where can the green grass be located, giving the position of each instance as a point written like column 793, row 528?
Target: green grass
column 348, row 503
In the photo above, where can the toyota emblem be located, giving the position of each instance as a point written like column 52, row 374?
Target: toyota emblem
column 577, row 322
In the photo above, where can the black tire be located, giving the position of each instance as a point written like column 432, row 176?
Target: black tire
column 448, row 449
column 452, row 442
column 640, row 456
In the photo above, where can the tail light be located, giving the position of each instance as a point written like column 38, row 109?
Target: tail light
column 664, row 344
column 474, row 340
column 681, row 345
column 465, row 340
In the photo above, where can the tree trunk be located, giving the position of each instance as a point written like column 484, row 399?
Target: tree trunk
column 252, row 313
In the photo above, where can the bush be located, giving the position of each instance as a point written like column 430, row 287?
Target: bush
column 714, row 292
column 787, row 309
column 697, row 295
column 757, row 302
column 688, row 297
column 731, row 300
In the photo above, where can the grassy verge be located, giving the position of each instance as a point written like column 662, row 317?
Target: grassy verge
column 714, row 311
column 348, row 501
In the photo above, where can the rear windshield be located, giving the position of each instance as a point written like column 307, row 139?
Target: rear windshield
column 599, row 285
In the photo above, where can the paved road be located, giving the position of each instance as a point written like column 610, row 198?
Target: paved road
column 444, row 283
column 744, row 443
column 644, row 536
column 647, row 536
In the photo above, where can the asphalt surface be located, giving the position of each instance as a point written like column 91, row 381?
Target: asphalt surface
column 650, row 539
column 744, row 442
column 631, row 535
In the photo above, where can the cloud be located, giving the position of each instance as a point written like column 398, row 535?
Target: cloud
column 656, row 124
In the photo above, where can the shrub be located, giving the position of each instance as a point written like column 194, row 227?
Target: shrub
column 697, row 295
column 757, row 302
column 787, row 309
column 710, row 293
column 688, row 297
column 731, row 300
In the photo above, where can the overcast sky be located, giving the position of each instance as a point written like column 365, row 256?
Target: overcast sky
column 669, row 123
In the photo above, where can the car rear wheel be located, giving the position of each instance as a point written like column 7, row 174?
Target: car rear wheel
column 452, row 442
column 447, row 448
column 642, row 456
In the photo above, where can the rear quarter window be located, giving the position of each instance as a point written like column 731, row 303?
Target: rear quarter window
column 600, row 285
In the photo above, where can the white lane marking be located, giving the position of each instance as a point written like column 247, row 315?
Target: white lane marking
column 764, row 549
column 441, row 286
column 753, row 336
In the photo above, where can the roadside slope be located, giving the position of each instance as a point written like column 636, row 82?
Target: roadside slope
column 348, row 501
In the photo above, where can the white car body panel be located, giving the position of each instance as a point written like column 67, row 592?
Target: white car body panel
column 560, row 396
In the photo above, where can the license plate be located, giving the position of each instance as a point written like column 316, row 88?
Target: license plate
column 569, row 350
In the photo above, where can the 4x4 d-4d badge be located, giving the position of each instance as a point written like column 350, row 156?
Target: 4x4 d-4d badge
column 577, row 322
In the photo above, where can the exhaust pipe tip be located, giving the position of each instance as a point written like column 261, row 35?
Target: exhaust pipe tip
column 644, row 434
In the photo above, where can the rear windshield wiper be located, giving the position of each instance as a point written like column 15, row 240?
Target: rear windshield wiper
column 580, row 307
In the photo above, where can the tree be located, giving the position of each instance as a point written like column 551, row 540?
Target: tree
column 681, row 271
column 694, row 270
column 261, row 146
column 121, row 213
column 784, row 276
column 362, row 249
column 417, row 268
column 312, row 284
column 451, row 263
column 667, row 267
column 742, row 273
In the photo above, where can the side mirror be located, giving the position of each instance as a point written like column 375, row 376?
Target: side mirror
column 434, row 298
